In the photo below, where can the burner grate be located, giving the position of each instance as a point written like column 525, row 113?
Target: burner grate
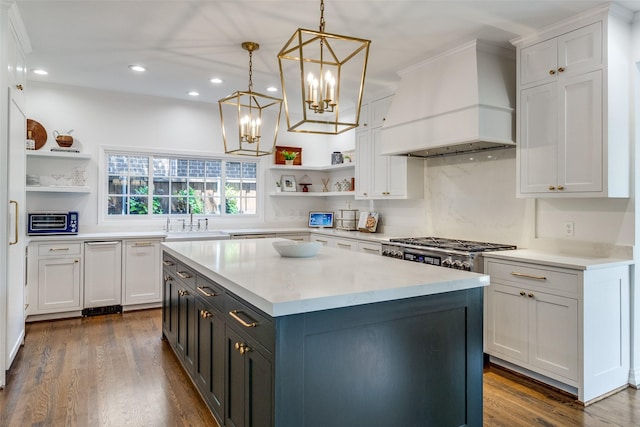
column 452, row 244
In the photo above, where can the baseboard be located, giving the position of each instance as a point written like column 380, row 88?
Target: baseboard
column 634, row 378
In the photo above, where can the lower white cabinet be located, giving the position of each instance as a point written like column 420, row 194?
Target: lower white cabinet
column 370, row 248
column 141, row 271
column 102, row 274
column 55, row 277
column 567, row 327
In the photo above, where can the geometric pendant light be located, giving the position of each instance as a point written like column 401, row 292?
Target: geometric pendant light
column 250, row 120
column 322, row 79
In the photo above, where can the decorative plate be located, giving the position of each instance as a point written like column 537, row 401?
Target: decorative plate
column 38, row 133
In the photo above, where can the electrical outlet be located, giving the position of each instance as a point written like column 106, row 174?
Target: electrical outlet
column 568, row 228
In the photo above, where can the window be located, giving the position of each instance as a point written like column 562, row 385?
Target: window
column 165, row 185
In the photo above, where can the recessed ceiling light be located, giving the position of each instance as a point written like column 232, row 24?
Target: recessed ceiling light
column 216, row 80
column 40, row 72
column 193, row 93
column 272, row 89
column 138, row 68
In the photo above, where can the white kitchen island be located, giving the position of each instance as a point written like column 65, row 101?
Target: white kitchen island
column 342, row 338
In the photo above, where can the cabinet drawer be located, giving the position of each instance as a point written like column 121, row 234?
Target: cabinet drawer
column 169, row 263
column 186, row 275
column 210, row 292
column 59, row 249
column 533, row 276
column 247, row 320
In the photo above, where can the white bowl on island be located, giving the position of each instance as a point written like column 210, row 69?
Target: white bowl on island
column 291, row 249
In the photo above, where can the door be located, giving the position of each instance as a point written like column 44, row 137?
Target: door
column 580, row 145
column 59, row 284
column 210, row 349
column 553, row 333
column 102, row 274
column 507, row 328
column 538, row 145
column 16, row 232
column 185, row 337
column 141, row 275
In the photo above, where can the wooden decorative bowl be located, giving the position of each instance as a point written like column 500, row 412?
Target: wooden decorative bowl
column 64, row 141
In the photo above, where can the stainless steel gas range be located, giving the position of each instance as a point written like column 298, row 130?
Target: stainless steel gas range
column 451, row 253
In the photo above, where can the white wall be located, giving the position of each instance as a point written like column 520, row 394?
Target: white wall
column 110, row 119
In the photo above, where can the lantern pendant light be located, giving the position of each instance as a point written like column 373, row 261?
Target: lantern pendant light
column 322, row 77
column 251, row 127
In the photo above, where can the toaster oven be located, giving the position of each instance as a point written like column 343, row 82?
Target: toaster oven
column 52, row 223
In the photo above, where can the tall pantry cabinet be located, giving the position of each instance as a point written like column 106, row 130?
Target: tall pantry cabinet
column 573, row 98
column 14, row 45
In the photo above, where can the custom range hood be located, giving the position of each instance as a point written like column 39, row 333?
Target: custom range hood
column 459, row 101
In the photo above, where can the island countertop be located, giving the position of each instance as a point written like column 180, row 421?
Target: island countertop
column 334, row 278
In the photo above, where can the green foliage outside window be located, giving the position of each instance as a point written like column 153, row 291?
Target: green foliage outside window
column 230, row 200
column 137, row 207
column 196, row 205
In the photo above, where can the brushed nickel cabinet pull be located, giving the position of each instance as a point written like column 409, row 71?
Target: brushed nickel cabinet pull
column 531, row 295
column 234, row 314
column 528, row 276
column 523, row 293
column 183, row 275
column 58, row 249
column 552, row 72
column 561, row 70
column 183, row 293
column 167, row 263
column 201, row 289
column 551, row 188
column 19, row 87
column 205, row 314
column 142, row 244
column 560, row 187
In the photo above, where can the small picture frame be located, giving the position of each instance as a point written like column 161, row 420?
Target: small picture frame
column 288, row 183
column 368, row 222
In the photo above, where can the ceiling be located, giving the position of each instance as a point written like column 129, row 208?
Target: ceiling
column 184, row 43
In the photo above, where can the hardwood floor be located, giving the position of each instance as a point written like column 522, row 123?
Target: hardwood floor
column 114, row 370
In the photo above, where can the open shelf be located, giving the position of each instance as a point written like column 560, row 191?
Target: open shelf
column 328, row 168
column 58, row 154
column 58, row 189
column 311, row 193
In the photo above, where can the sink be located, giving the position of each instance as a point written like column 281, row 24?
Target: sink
column 197, row 235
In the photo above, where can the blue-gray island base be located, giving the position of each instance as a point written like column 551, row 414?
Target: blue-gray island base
column 407, row 362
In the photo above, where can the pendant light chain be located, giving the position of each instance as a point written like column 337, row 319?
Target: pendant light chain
column 250, row 70
column 322, row 16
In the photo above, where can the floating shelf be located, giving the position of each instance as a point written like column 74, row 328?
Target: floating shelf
column 58, row 189
column 311, row 193
column 58, row 154
column 328, row 168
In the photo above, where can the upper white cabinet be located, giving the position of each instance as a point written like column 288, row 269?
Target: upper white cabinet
column 379, row 176
column 573, row 100
column 571, row 53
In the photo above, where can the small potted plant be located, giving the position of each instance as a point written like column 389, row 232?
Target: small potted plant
column 289, row 157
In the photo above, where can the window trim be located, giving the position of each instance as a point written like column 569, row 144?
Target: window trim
column 103, row 185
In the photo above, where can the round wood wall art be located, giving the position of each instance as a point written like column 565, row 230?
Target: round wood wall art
column 38, row 133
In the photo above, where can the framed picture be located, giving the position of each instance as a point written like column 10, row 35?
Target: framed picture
column 288, row 183
column 279, row 157
column 368, row 222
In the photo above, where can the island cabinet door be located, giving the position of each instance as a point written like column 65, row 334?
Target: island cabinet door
column 185, row 339
column 210, row 349
column 169, row 307
column 249, row 388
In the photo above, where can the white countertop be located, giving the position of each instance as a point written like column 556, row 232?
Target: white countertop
column 558, row 260
column 333, row 278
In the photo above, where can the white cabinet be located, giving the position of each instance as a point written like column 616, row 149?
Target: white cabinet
column 141, row 272
column 103, row 274
column 379, row 176
column 567, row 327
column 570, row 53
column 573, row 99
column 55, row 277
column 13, row 49
column 370, row 248
column 298, row 237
